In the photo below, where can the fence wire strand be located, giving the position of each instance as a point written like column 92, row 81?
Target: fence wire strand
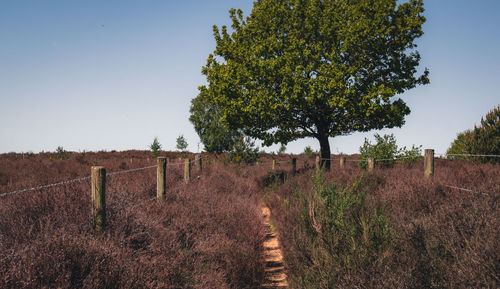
column 46, row 186
column 466, row 190
column 72, row 181
column 468, row 155
column 130, row 171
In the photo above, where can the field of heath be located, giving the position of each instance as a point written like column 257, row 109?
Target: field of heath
column 345, row 228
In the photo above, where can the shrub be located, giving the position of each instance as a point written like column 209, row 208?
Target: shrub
column 386, row 151
column 308, row 151
column 347, row 232
column 61, row 152
column 282, row 149
column 244, row 151
column 155, row 147
column 482, row 140
column 412, row 155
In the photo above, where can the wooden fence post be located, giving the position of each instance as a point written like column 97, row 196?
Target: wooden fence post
column 161, row 178
column 371, row 164
column 200, row 162
column 98, row 183
column 342, row 161
column 187, row 170
column 294, row 166
column 274, row 165
column 318, row 163
column 429, row 163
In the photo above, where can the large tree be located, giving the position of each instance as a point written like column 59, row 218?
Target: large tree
column 315, row 68
column 215, row 134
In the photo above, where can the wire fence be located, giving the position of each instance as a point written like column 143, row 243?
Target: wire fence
column 45, row 186
column 15, row 254
column 195, row 160
column 466, row 190
column 67, row 182
column 470, row 155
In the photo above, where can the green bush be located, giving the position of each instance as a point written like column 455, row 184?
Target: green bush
column 410, row 156
column 62, row 153
column 348, row 231
column 308, row 151
column 244, row 151
column 385, row 151
column 282, row 149
column 482, row 140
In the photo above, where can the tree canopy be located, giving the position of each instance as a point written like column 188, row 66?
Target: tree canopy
column 215, row 134
column 484, row 139
column 315, row 68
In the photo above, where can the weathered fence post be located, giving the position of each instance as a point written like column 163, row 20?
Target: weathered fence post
column 318, row 163
column 98, row 183
column 294, row 166
column 161, row 178
column 429, row 163
column 200, row 162
column 187, row 170
column 274, row 165
column 342, row 161
column 371, row 164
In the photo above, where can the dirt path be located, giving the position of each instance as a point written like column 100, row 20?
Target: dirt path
column 275, row 275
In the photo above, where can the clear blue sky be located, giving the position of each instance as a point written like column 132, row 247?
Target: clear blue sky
column 94, row 75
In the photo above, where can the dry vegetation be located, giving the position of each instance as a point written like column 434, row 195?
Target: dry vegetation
column 207, row 234
column 346, row 229
column 394, row 229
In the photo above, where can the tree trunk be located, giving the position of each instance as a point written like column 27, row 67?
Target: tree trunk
column 325, row 151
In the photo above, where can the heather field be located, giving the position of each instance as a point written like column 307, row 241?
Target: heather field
column 346, row 228
column 207, row 234
column 391, row 228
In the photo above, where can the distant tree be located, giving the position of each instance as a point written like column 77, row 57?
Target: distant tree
column 482, row 140
column 155, row 147
column 181, row 143
column 282, row 149
column 244, row 150
column 308, row 151
column 311, row 68
column 62, row 152
column 215, row 133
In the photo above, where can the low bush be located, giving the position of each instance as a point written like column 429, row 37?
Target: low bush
column 385, row 151
column 244, row 151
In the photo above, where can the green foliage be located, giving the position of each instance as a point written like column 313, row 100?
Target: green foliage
column 282, row 149
column 181, row 143
column 348, row 231
column 62, row 153
column 482, row 140
column 155, row 147
column 412, row 155
column 244, row 151
column 385, row 151
column 308, row 151
column 296, row 69
column 214, row 132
